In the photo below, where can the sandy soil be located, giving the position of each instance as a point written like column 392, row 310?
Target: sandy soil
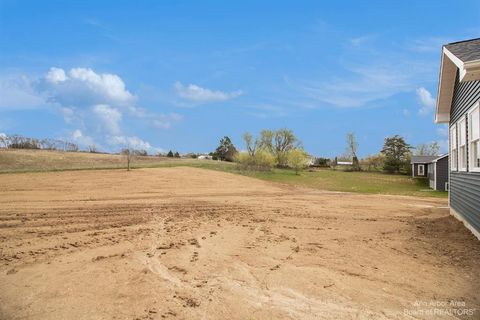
column 184, row 243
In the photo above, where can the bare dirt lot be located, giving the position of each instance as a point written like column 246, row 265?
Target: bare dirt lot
column 184, row 243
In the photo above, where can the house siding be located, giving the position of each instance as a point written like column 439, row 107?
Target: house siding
column 465, row 186
column 441, row 174
column 465, row 197
column 465, row 95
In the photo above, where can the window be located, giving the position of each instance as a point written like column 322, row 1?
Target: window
column 453, row 148
column 474, row 137
column 462, row 145
column 421, row 170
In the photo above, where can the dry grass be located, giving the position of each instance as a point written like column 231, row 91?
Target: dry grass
column 42, row 160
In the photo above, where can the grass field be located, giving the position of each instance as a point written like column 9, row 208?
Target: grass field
column 363, row 182
column 324, row 179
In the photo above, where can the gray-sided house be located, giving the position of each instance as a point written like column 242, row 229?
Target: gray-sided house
column 435, row 168
column 458, row 106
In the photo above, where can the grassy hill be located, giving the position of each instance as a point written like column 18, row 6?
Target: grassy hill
column 20, row 160
column 325, row 179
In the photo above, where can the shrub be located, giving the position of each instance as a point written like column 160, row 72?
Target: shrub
column 297, row 159
column 261, row 161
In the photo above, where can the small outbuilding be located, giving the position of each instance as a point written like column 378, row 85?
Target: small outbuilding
column 435, row 168
column 421, row 165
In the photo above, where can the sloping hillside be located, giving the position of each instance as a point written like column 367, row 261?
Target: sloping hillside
column 12, row 160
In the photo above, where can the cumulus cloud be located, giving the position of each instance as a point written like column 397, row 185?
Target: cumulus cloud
column 83, row 87
column 131, row 142
column 426, row 100
column 98, row 103
column 109, row 117
column 82, row 139
column 56, row 75
column 196, row 93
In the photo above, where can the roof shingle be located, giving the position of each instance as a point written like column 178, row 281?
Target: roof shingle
column 423, row 159
column 468, row 50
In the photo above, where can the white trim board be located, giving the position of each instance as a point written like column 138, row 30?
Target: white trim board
column 449, row 65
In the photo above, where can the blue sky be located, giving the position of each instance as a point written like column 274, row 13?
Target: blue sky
column 181, row 74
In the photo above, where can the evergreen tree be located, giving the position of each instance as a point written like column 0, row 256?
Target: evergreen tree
column 226, row 150
column 396, row 152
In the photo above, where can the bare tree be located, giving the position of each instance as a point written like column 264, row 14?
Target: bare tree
column 129, row 153
column 430, row 149
column 47, row 144
column 4, row 140
column 250, row 143
column 92, row 148
column 71, row 147
column 352, row 147
column 352, row 144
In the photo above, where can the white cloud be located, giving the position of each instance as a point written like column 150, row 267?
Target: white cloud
column 94, row 105
column 56, row 75
column 107, row 84
column 131, row 142
column 83, row 87
column 361, row 40
column 18, row 93
column 427, row 101
column 164, row 121
column 196, row 93
column 82, row 139
column 368, row 71
column 110, row 118
column 68, row 114
column 363, row 85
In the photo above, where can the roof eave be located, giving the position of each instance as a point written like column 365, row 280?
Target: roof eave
column 467, row 71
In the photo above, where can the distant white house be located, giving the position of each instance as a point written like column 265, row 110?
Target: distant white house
column 204, row 157
column 344, row 163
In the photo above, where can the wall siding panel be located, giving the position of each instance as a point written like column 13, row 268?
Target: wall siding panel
column 442, row 173
column 465, row 186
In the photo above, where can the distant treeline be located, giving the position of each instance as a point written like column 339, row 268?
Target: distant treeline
column 20, row 142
